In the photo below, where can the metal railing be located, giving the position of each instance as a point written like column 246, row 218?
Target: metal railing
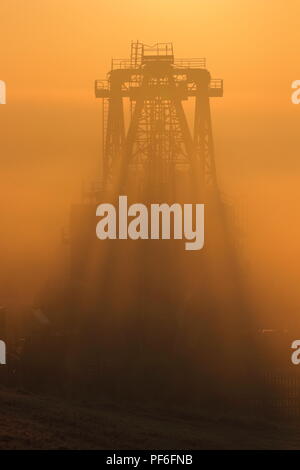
column 101, row 85
column 159, row 49
column 191, row 63
column 216, row 83
column 117, row 64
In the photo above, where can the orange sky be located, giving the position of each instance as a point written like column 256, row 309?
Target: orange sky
column 51, row 53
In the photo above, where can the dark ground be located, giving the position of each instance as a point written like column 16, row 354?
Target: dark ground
column 35, row 422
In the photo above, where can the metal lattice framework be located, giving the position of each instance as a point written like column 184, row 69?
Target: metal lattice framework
column 159, row 141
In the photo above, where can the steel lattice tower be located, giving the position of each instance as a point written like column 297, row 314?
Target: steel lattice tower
column 158, row 143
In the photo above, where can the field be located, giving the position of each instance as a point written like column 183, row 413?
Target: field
column 36, row 422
